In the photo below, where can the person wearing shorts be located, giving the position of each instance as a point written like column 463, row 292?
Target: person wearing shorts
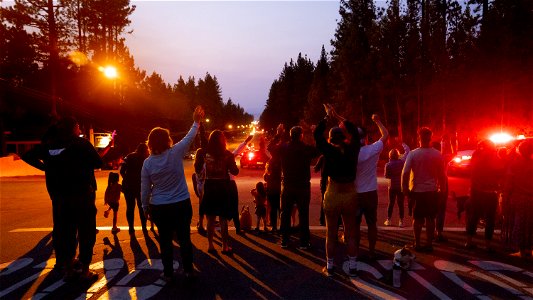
column 366, row 184
column 340, row 166
column 422, row 176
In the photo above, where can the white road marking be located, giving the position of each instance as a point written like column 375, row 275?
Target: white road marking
column 14, row 265
column 370, row 290
column 435, row 291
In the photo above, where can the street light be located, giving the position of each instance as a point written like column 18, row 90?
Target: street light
column 109, row 72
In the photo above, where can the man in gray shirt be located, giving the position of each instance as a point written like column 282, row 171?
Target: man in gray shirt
column 422, row 177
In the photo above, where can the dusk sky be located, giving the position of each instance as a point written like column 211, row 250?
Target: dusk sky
column 243, row 43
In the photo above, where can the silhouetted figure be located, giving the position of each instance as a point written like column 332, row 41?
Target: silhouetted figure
column 131, row 184
column 296, row 159
column 69, row 162
column 219, row 189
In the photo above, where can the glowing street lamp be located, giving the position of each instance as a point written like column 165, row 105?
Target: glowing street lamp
column 109, row 72
column 230, row 126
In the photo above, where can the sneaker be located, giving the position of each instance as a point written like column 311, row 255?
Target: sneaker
column 387, row 222
column 305, row 246
column 284, row 244
column 328, row 272
column 400, row 224
column 115, row 230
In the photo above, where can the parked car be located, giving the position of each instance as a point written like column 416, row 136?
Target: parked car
column 460, row 163
column 254, row 159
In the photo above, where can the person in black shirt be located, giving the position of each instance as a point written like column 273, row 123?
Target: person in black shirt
column 340, row 199
column 69, row 162
column 296, row 159
column 131, row 184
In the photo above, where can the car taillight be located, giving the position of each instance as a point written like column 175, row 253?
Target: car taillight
column 459, row 159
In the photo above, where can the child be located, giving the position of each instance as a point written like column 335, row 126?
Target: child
column 111, row 198
column 393, row 171
column 260, row 198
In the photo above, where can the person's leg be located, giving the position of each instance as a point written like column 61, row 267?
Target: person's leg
column 130, row 210
column 65, row 230
column 418, row 217
column 86, row 223
column 472, row 219
column 441, row 214
column 234, row 196
column 430, row 230
column 331, row 215
column 183, row 232
column 273, row 200
column 224, row 233
column 303, row 216
column 163, row 216
column 371, row 218
column 61, row 259
column 142, row 217
column 286, row 210
column 490, row 217
column 400, row 199
column 417, row 230
column 358, row 219
column 115, row 215
column 390, row 208
column 210, row 231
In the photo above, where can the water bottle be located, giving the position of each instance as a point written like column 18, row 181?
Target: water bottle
column 396, row 276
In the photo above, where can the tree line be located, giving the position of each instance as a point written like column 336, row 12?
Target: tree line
column 51, row 59
column 460, row 67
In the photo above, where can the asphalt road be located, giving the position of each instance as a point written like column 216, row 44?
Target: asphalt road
column 259, row 269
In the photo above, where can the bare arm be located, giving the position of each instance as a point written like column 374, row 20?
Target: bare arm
column 382, row 129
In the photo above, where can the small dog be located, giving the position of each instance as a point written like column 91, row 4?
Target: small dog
column 461, row 202
column 245, row 218
column 403, row 258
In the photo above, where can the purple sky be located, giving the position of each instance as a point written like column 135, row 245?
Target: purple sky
column 243, row 43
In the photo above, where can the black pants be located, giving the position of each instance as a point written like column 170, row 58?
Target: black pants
column 441, row 212
column 234, row 197
column 75, row 223
column 173, row 219
column 395, row 196
column 301, row 196
column 482, row 205
column 274, row 201
column 132, row 199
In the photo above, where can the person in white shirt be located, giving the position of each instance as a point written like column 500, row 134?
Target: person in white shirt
column 422, row 177
column 366, row 183
column 165, row 195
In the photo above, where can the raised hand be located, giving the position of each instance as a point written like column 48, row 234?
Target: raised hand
column 198, row 114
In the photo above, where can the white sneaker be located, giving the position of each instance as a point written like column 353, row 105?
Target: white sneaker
column 400, row 224
column 387, row 222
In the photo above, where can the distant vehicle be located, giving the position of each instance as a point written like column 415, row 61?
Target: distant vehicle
column 190, row 155
column 460, row 163
column 254, row 159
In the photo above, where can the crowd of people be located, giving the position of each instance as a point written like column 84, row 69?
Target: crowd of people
column 154, row 181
